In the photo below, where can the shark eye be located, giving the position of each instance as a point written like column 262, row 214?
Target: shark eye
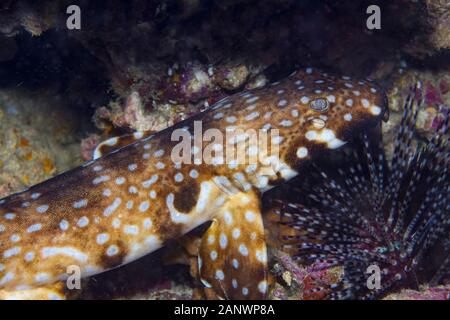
column 319, row 105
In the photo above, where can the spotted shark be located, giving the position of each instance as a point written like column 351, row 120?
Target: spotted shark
column 135, row 199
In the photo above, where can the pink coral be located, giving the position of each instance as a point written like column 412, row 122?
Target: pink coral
column 189, row 85
column 88, row 145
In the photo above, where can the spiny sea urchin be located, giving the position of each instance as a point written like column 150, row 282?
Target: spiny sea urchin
column 369, row 212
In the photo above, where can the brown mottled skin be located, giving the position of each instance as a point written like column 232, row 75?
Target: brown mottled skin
column 128, row 203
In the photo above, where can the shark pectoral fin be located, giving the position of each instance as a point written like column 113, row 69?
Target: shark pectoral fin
column 53, row 291
column 232, row 261
column 279, row 233
column 183, row 251
column 116, row 143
